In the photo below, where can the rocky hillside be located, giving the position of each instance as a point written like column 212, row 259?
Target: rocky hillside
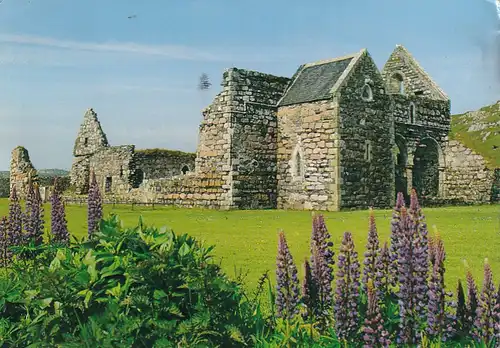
column 480, row 131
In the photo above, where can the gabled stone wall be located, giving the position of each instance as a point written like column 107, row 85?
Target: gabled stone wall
column 366, row 134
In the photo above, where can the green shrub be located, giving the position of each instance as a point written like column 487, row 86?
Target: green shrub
column 134, row 287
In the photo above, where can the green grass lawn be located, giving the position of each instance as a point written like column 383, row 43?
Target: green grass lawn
column 247, row 240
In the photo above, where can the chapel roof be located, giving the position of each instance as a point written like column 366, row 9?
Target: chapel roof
column 315, row 81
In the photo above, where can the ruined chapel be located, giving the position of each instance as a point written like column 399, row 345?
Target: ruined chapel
column 337, row 134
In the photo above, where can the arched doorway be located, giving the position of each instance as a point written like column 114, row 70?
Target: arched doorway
column 426, row 166
column 400, row 164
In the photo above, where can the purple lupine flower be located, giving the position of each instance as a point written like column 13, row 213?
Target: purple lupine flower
column 287, row 283
column 346, row 308
column 471, row 304
column 421, row 252
column 33, row 217
column 461, row 311
column 436, row 318
column 15, row 220
column 94, row 206
column 484, row 326
column 59, row 225
column 309, row 291
column 496, row 316
column 371, row 255
column 374, row 334
column 409, row 290
column 4, row 242
column 396, row 217
column 383, row 271
column 322, row 262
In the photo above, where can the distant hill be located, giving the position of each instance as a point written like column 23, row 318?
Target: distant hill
column 480, row 131
column 41, row 172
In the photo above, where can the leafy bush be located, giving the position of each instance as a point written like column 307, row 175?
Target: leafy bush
column 135, row 287
column 148, row 287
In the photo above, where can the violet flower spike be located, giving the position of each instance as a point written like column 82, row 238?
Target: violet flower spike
column 371, row 255
column 409, row 289
column 395, row 231
column 484, row 326
column 346, row 308
column 59, row 225
column 471, row 304
column 322, row 262
column 15, row 219
column 374, row 334
column 436, row 318
column 5, row 253
column 94, row 206
column 287, row 283
column 383, row 272
column 309, row 292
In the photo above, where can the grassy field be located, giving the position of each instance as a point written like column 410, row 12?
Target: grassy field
column 247, row 240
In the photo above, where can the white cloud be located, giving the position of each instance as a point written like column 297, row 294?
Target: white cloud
column 21, row 48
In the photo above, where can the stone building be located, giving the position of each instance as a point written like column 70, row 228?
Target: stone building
column 120, row 168
column 339, row 134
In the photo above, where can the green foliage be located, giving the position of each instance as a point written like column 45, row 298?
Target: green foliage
column 164, row 152
column 137, row 287
column 485, row 139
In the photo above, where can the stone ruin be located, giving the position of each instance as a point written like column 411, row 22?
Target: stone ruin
column 21, row 171
column 338, row 134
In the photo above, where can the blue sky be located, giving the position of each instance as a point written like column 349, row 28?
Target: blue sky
column 60, row 57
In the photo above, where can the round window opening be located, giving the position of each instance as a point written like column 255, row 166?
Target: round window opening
column 367, row 94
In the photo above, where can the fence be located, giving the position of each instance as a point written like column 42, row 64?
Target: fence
column 115, row 202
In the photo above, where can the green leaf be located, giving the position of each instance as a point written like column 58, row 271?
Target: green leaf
column 54, row 265
column 159, row 294
column 184, row 250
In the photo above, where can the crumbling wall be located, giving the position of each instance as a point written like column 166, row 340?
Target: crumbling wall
column 162, row 163
column 21, row 171
column 467, row 178
column 113, row 168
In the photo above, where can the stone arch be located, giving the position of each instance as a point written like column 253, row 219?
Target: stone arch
column 185, row 169
column 297, row 163
column 397, row 83
column 400, row 152
column 428, row 168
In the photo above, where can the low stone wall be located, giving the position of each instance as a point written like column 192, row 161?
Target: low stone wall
column 467, row 177
column 162, row 163
column 190, row 190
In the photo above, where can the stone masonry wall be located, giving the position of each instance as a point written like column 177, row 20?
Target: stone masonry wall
column 365, row 128
column 253, row 137
column 467, row 177
column 21, row 171
column 160, row 163
column 429, row 126
column 113, row 167
column 308, row 156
